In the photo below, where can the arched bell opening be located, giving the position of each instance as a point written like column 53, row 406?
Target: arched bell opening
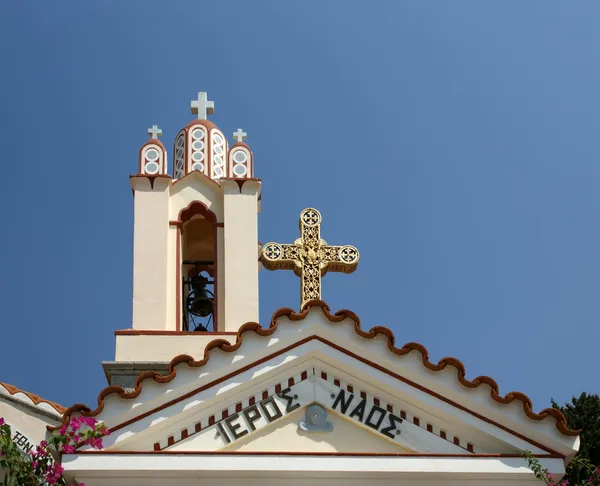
column 198, row 269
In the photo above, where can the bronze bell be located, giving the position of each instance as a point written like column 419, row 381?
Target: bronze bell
column 203, row 304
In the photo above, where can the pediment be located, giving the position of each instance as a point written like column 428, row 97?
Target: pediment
column 311, row 415
column 270, row 409
column 239, row 386
column 342, row 436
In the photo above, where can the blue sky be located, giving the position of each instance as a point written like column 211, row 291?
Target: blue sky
column 454, row 143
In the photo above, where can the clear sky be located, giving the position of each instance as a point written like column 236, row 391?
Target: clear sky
column 455, row 143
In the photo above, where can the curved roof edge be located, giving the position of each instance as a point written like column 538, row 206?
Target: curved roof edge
column 339, row 316
column 30, row 398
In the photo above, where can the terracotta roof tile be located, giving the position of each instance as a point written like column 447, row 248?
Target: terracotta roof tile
column 35, row 399
column 339, row 316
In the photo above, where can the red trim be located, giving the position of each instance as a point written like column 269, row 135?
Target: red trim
column 208, row 127
column 209, row 385
column 340, row 316
column 348, row 353
column 178, row 311
column 216, row 277
column 35, row 399
column 316, row 454
column 249, row 165
column 363, row 394
column 135, row 332
column 434, row 394
column 163, row 165
column 198, row 207
column 205, row 177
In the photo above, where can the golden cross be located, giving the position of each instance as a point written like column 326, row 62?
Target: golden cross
column 310, row 257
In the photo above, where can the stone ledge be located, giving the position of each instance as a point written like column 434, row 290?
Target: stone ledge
column 124, row 373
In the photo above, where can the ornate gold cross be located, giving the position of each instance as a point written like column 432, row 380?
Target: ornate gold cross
column 310, row 257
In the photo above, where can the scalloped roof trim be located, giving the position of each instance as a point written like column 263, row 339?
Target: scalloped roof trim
column 31, row 398
column 339, row 316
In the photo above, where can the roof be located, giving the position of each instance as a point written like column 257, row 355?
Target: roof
column 31, row 399
column 339, row 316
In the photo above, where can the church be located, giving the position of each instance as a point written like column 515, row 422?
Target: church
column 201, row 393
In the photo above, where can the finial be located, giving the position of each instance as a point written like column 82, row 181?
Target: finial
column 309, row 256
column 202, row 107
column 154, row 132
column 240, row 135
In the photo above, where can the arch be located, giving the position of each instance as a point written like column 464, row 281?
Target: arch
column 197, row 207
column 196, row 227
column 160, row 161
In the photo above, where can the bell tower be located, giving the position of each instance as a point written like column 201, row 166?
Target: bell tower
column 196, row 250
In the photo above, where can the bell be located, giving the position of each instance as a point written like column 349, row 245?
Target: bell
column 202, row 305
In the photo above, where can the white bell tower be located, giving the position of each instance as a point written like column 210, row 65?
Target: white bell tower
column 196, row 250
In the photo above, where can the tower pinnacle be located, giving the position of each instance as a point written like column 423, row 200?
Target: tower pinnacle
column 202, row 107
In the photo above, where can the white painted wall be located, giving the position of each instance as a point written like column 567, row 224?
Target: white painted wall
column 240, row 240
column 150, row 250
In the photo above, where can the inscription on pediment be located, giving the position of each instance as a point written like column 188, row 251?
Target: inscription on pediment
column 275, row 407
column 308, row 391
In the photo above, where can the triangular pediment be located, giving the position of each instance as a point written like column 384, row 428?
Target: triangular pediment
column 364, row 418
column 339, row 436
column 311, row 415
column 255, row 390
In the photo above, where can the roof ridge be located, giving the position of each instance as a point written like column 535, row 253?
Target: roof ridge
column 339, row 316
column 36, row 400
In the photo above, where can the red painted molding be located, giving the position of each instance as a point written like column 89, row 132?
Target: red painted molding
column 136, row 332
column 315, row 454
column 339, row 316
column 36, row 399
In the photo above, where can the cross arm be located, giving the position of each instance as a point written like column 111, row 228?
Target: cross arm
column 340, row 258
column 277, row 256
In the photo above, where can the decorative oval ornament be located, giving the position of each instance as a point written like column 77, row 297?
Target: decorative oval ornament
column 315, row 420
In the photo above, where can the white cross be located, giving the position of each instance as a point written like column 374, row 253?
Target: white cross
column 240, row 135
column 154, row 132
column 202, row 106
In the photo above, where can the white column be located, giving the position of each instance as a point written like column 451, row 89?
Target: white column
column 240, row 242
column 150, row 253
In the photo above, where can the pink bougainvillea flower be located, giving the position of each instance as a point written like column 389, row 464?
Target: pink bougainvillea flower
column 75, row 424
column 97, row 443
column 2, row 421
column 89, row 421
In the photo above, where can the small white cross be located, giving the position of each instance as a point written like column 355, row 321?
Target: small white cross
column 202, row 106
column 240, row 135
column 154, row 132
